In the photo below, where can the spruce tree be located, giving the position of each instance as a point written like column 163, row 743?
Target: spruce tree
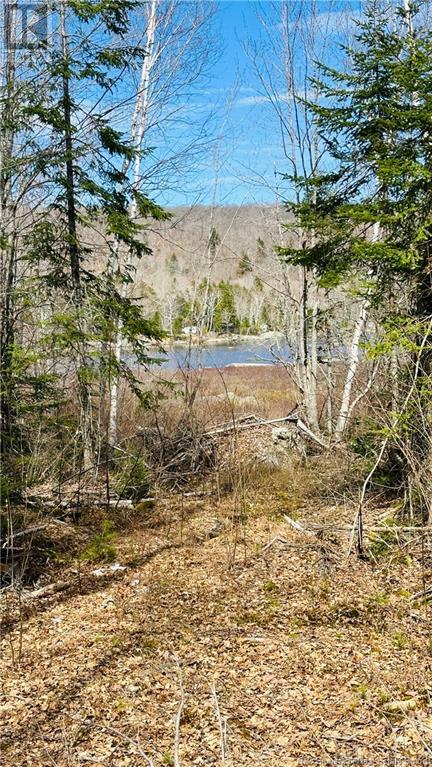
column 245, row 264
column 93, row 191
column 370, row 214
column 60, row 107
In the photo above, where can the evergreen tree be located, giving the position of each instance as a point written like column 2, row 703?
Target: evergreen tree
column 183, row 312
column 260, row 250
column 213, row 242
column 225, row 315
column 75, row 154
column 370, row 215
column 90, row 176
column 245, row 264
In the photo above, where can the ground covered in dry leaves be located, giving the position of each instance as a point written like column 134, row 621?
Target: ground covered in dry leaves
column 210, row 649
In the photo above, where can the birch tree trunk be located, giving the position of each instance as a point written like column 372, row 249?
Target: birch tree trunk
column 345, row 409
column 211, row 258
column 329, row 379
column 138, row 127
column 353, row 361
column 8, row 245
column 177, row 54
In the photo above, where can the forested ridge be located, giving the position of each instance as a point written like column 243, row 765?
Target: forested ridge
column 216, row 382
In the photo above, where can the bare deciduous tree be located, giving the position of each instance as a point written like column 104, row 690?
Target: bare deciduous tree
column 175, row 39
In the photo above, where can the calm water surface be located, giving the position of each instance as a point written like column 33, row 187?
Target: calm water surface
column 223, row 355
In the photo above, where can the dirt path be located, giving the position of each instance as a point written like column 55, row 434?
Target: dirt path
column 275, row 658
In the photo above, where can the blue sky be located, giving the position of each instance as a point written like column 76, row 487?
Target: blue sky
column 246, row 161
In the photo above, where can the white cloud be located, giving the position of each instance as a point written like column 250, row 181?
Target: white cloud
column 247, row 101
column 281, row 98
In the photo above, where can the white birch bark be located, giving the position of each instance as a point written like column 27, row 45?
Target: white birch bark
column 353, row 361
column 313, row 361
column 353, row 357
column 177, row 55
column 138, row 127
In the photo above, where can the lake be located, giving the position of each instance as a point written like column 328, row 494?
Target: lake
column 222, row 355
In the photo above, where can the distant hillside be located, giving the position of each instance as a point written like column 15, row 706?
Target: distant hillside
column 181, row 246
column 234, row 245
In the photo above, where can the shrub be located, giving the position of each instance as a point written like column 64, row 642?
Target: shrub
column 133, row 478
column 101, row 548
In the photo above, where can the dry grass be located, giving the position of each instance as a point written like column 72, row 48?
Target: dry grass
column 264, row 390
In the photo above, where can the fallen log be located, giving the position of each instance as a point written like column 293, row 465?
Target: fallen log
column 83, row 501
column 317, row 532
column 52, row 588
column 8, row 542
column 297, row 526
column 256, row 421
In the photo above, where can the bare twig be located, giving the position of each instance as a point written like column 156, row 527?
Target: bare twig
column 425, row 593
column 222, row 724
column 358, row 519
column 178, row 716
column 120, row 734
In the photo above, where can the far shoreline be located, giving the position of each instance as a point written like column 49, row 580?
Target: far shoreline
column 234, row 339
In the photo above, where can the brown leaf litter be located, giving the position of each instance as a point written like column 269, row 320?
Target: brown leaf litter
column 208, row 650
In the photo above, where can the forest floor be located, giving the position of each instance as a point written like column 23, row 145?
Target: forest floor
column 208, row 647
